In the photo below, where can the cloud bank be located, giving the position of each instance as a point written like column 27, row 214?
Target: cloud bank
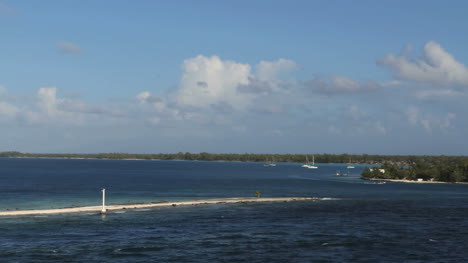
column 216, row 99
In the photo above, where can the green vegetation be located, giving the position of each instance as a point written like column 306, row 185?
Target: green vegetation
column 257, row 194
column 246, row 157
column 437, row 168
column 444, row 169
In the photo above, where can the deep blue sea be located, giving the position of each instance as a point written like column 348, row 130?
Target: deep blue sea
column 358, row 221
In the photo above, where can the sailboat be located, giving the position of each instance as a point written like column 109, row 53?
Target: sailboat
column 313, row 164
column 350, row 166
column 270, row 164
column 306, row 165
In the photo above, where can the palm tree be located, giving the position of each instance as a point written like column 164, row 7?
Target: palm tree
column 257, row 194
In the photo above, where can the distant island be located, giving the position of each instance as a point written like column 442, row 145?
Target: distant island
column 387, row 167
column 433, row 169
column 400, row 160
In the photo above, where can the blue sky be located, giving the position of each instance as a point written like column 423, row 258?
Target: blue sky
column 386, row 77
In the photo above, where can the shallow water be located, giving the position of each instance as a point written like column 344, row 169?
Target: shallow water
column 359, row 223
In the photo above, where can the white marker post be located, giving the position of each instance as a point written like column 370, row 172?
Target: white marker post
column 104, row 210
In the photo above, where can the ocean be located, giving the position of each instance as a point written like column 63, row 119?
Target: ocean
column 355, row 221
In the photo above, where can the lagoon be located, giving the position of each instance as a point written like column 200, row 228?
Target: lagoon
column 354, row 222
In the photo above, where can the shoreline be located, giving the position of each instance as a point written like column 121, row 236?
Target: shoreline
column 111, row 208
column 412, row 181
column 143, row 159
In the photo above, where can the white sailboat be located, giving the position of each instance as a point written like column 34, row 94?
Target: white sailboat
column 306, row 165
column 313, row 164
column 350, row 166
column 270, row 164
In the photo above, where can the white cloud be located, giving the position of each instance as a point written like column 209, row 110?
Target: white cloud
column 7, row 109
column 344, row 83
column 270, row 70
column 429, row 121
column 69, row 47
column 143, row 96
column 213, row 91
column 436, row 66
column 47, row 100
column 47, row 108
column 209, row 80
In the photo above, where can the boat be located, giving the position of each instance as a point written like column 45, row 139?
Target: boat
column 350, row 166
column 313, row 164
column 270, row 164
column 338, row 173
column 306, row 165
column 379, row 182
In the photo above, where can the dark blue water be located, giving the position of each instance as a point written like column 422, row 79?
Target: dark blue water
column 363, row 222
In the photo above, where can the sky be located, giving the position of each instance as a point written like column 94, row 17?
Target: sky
column 375, row 77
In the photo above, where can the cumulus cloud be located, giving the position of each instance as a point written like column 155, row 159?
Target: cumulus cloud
column 69, row 47
column 216, row 91
column 256, row 86
column 436, row 66
column 157, row 103
column 209, row 80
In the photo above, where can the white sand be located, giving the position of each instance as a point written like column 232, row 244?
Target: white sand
column 110, row 208
column 413, row 181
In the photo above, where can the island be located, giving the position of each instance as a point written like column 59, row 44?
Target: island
column 430, row 170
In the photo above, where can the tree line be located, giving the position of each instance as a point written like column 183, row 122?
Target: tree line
column 442, row 169
column 396, row 160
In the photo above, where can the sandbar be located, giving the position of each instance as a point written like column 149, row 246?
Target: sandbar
column 110, row 208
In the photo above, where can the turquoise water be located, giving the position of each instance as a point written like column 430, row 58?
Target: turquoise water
column 361, row 222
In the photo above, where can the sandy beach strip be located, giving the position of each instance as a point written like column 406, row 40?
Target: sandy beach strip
column 110, row 208
column 412, row 181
